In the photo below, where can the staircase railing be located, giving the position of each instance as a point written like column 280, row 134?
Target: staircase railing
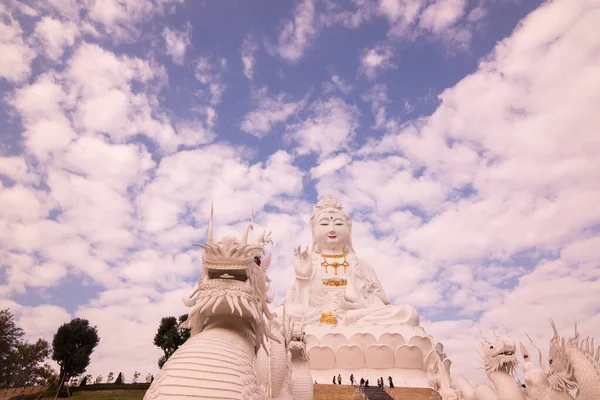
column 360, row 390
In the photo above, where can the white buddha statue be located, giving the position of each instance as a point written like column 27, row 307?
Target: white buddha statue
column 332, row 284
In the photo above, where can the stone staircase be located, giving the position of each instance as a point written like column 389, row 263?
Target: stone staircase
column 374, row 393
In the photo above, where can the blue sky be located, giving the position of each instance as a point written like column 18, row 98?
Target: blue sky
column 458, row 134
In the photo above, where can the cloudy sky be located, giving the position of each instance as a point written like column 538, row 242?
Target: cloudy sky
column 461, row 135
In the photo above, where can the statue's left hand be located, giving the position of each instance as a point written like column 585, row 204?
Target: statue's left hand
column 348, row 304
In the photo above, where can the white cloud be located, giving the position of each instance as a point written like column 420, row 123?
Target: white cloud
column 330, row 165
column 270, row 111
column 17, row 169
column 400, row 12
column 376, row 60
column 177, row 43
column 329, row 128
column 221, row 173
column 120, row 19
column 54, row 36
column 248, row 53
column 378, row 98
column 440, row 20
column 15, row 63
column 440, row 15
column 336, row 83
column 208, row 73
column 298, row 34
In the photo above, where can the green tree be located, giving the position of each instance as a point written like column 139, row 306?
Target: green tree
column 10, row 337
column 72, row 347
column 29, row 367
column 169, row 337
column 21, row 363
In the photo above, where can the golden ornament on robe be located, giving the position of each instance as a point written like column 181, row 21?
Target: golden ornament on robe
column 335, row 265
column 328, row 318
column 335, row 282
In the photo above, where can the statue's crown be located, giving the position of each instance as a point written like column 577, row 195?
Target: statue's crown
column 329, row 201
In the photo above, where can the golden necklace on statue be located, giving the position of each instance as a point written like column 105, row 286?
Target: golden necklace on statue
column 335, row 264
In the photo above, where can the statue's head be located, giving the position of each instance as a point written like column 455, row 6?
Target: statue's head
column 232, row 283
column 331, row 227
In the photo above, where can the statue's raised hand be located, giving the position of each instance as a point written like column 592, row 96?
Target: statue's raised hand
column 302, row 263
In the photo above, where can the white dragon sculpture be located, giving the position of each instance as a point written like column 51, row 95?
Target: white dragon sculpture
column 228, row 323
column 302, row 382
column 574, row 364
column 500, row 362
column 536, row 378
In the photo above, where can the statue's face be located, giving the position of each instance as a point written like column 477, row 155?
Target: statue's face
column 331, row 231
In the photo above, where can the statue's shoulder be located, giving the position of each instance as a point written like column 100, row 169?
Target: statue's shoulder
column 360, row 262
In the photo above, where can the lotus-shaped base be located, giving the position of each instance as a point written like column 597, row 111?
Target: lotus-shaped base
column 398, row 350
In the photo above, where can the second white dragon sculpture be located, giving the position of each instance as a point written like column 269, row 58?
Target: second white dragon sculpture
column 574, row 363
column 500, row 363
column 537, row 384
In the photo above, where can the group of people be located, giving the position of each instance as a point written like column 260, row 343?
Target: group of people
column 363, row 383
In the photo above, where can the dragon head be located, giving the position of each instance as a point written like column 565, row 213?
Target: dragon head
column 561, row 374
column 297, row 343
column 499, row 354
column 233, row 282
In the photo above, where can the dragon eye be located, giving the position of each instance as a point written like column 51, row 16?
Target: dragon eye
column 550, row 362
column 525, row 356
column 491, row 347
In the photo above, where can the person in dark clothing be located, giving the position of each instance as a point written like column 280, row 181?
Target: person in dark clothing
column 381, row 382
column 352, row 379
column 391, row 381
column 367, row 383
column 362, row 381
column 334, row 379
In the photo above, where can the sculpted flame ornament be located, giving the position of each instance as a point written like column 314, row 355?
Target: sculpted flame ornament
column 228, row 323
column 574, row 363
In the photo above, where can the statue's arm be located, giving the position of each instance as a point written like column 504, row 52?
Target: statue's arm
column 303, row 270
column 373, row 285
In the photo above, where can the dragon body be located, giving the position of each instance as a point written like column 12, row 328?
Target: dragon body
column 439, row 378
column 302, row 382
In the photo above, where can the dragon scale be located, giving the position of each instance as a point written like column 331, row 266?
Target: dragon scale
column 506, row 386
column 586, row 372
column 216, row 363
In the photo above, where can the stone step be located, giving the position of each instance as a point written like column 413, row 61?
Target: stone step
column 374, row 393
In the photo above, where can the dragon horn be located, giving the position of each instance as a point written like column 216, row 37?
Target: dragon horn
column 537, row 348
column 209, row 239
column 555, row 337
column 524, row 351
column 248, row 229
